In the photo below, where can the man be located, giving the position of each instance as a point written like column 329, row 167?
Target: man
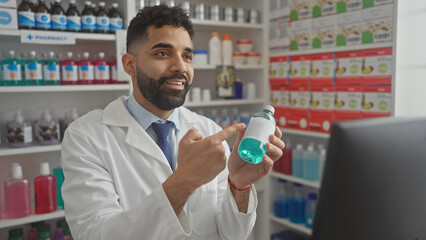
column 126, row 177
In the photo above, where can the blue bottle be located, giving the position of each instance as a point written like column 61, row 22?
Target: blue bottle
column 282, row 204
column 59, row 19
column 298, row 205
column 116, row 21
column 73, row 18
column 297, row 161
column 88, row 19
column 310, row 209
column 311, row 164
column 26, row 16
column 42, row 16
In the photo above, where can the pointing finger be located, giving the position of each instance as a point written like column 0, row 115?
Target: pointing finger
column 228, row 132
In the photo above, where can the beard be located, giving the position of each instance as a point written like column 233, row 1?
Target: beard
column 158, row 94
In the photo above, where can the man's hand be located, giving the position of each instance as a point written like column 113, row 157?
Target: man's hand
column 242, row 174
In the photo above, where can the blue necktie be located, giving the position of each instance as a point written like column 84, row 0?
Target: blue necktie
column 162, row 131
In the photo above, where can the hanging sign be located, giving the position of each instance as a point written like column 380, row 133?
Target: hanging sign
column 47, row 37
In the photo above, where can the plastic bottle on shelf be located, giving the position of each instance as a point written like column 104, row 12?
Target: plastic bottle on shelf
column 67, row 234
column 26, row 16
column 297, row 161
column 116, row 21
column 45, row 190
column 11, row 71
column 310, row 164
column 73, row 17
column 51, row 72
column 42, row 16
column 282, row 203
column 17, row 194
column 297, row 205
column 67, row 120
column 321, row 159
column 287, row 158
column 226, row 49
column 113, row 71
column 16, row 234
column 101, row 70
column 33, row 70
column 214, row 116
column 59, row 234
column 226, row 120
column 69, row 70
column 238, row 88
column 19, row 132
column 88, row 18
column 59, row 19
column 46, row 129
column 215, row 51
column 59, row 175
column 310, row 209
column 86, row 70
column 235, row 116
column 102, row 19
column 44, row 235
column 245, row 118
column 261, row 126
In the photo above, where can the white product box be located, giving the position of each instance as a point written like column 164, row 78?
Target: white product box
column 324, row 32
column 376, row 101
column 372, row 3
column 273, row 35
column 322, row 70
column 273, row 9
column 323, row 8
column 349, row 27
column 8, row 18
column 8, row 4
column 377, row 24
column 348, row 5
column 377, row 66
column 283, row 34
column 300, row 9
column 278, row 70
column 283, row 9
column 301, row 35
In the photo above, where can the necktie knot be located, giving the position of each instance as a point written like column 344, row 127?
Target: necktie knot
column 161, row 129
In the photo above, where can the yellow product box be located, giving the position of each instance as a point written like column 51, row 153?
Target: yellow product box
column 343, row 6
column 349, row 28
column 300, row 9
column 301, row 35
column 324, row 32
column 323, row 8
column 377, row 25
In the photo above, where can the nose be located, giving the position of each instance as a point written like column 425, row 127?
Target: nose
column 178, row 65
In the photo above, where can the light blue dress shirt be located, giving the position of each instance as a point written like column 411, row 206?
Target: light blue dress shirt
column 145, row 118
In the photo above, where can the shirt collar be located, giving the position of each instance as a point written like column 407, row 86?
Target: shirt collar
column 145, row 117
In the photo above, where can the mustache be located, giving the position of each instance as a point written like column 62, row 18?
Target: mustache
column 174, row 76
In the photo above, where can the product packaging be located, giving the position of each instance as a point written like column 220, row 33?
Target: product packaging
column 300, row 9
column 377, row 66
column 278, row 70
column 322, row 69
column 9, row 18
column 377, row 25
column 343, row 6
column 347, row 102
column 324, row 32
column 301, row 35
column 322, row 101
column 376, row 101
column 349, row 67
column 349, row 27
column 323, row 8
column 299, row 71
column 298, row 99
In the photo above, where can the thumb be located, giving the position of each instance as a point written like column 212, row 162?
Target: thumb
column 239, row 138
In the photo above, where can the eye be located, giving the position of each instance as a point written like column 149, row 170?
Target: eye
column 162, row 54
column 188, row 57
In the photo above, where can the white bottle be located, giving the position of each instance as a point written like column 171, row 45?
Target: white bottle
column 321, row 158
column 227, row 49
column 226, row 120
column 215, row 50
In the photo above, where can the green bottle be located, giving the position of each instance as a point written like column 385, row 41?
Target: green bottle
column 11, row 71
column 261, row 126
column 51, row 70
column 33, row 70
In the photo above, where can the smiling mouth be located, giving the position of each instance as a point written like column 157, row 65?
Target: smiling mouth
column 175, row 83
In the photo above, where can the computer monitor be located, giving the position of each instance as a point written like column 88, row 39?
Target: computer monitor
column 374, row 182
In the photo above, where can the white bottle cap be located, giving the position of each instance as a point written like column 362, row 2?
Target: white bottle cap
column 86, row 55
column 46, row 116
column 310, row 148
column 16, row 171
column 323, row 151
column 114, row 5
column 87, row 2
column 101, row 4
column 69, row 54
column 11, row 53
column 74, row 114
column 72, row 1
column 51, row 54
column 57, row 1
column 101, row 55
column 269, row 108
column 33, row 54
column 299, row 146
column 18, row 116
column 44, row 168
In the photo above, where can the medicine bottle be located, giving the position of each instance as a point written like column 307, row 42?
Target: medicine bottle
column 261, row 126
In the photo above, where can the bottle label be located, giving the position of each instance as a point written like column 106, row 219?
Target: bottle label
column 102, row 23
column 33, row 71
column 74, row 23
column 18, row 134
column 116, row 24
column 59, row 22
column 26, row 19
column 102, row 72
column 260, row 129
column 42, row 20
column 88, row 22
column 11, row 72
column 69, row 73
column 51, row 73
column 86, row 72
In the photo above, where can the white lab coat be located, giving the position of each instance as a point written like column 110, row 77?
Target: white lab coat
column 113, row 184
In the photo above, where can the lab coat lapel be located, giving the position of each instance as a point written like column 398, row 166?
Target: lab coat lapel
column 116, row 114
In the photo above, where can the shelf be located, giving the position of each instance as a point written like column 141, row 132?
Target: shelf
column 305, row 133
column 231, row 102
column 10, row 33
column 296, row 180
column 213, row 25
column 4, row 223
column 65, row 88
column 29, row 150
column 330, row 50
column 237, row 67
column 294, row 226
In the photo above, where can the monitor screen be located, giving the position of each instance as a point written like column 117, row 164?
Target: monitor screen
column 374, row 184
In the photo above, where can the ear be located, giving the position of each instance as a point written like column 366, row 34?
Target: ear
column 129, row 64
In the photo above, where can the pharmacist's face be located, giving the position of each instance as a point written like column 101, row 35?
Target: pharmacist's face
column 164, row 69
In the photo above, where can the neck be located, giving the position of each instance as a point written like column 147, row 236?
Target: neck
column 160, row 113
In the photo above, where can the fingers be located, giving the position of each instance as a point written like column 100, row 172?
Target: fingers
column 227, row 132
column 191, row 135
column 278, row 132
column 240, row 136
column 276, row 141
column 273, row 152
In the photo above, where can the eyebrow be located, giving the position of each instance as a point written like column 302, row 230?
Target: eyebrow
column 166, row 45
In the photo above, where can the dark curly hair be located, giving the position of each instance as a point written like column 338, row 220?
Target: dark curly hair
column 157, row 16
